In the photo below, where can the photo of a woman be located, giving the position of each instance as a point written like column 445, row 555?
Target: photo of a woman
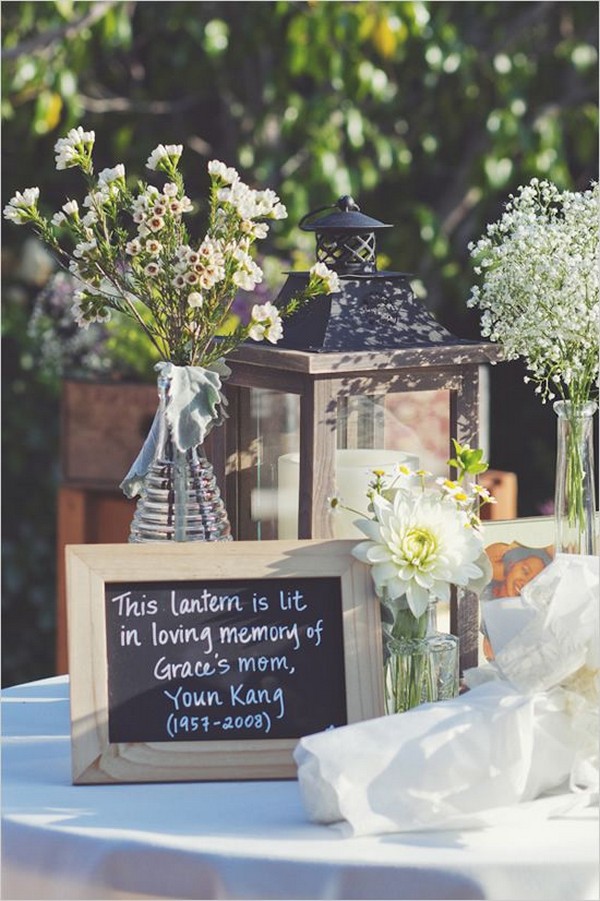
column 513, row 566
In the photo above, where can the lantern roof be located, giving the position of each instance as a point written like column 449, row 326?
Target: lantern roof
column 370, row 310
column 346, row 217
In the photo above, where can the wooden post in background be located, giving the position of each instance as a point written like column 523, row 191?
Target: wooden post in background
column 103, row 427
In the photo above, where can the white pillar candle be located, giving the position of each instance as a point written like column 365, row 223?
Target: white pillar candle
column 354, row 471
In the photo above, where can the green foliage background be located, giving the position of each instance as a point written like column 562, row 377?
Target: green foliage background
column 429, row 114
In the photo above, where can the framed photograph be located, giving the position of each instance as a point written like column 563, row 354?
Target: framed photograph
column 518, row 550
column 207, row 661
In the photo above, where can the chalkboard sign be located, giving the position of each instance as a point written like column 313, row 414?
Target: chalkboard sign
column 210, row 661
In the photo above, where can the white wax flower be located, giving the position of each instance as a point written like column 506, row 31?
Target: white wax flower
column 321, row 274
column 226, row 174
column 20, row 207
column 84, row 247
column 71, row 150
column 169, row 152
column 266, row 323
column 153, row 246
column 133, row 248
column 116, row 173
column 130, row 248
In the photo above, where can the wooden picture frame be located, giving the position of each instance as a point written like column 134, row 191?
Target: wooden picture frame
column 92, row 573
column 532, row 531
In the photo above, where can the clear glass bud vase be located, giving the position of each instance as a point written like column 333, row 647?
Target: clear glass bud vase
column 179, row 498
column 420, row 663
column 574, row 500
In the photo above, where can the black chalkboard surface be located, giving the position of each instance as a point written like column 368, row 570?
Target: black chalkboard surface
column 211, row 660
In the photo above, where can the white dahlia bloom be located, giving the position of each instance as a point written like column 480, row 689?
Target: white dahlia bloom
column 419, row 545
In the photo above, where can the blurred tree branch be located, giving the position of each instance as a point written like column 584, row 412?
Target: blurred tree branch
column 43, row 44
column 103, row 105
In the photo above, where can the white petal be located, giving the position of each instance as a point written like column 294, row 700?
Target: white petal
column 385, row 572
column 369, row 528
column 418, row 598
column 424, row 579
column 360, row 551
column 395, row 588
column 379, row 553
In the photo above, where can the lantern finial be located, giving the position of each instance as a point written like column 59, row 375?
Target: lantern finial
column 345, row 237
column 347, row 204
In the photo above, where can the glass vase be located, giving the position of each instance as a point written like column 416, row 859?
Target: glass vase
column 179, row 499
column 420, row 663
column 574, row 500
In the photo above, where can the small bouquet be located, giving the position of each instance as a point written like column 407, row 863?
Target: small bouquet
column 540, row 299
column 540, row 287
column 129, row 248
column 423, row 537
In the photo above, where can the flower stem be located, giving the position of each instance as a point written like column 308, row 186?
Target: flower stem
column 574, row 501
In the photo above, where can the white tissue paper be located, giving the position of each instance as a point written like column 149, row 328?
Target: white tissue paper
column 194, row 405
column 527, row 726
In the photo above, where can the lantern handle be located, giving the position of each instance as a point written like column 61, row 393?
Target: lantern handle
column 345, row 203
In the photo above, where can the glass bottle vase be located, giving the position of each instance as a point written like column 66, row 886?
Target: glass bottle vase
column 421, row 665
column 574, row 499
column 179, row 498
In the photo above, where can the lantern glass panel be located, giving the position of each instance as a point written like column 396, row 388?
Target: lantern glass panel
column 373, row 432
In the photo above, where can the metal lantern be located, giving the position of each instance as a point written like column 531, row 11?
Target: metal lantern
column 311, row 417
column 373, row 309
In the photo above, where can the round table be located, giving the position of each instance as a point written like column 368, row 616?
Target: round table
column 244, row 839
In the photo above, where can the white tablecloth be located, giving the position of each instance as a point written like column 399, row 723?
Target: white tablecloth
column 244, row 839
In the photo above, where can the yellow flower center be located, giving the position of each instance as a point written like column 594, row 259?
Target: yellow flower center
column 418, row 546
